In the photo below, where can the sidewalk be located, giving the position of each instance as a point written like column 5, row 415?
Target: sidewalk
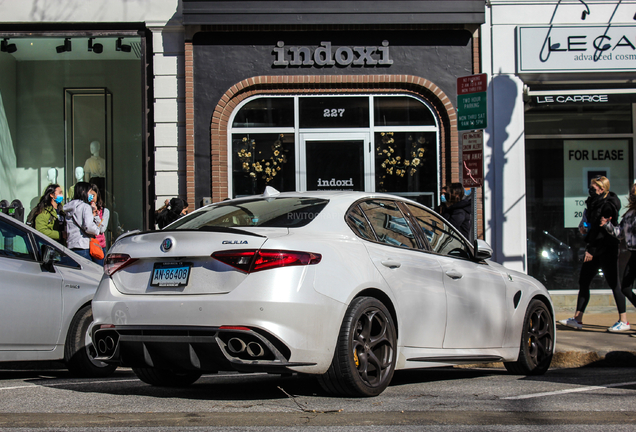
column 594, row 345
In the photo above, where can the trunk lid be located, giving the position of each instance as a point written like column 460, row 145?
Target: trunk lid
column 179, row 262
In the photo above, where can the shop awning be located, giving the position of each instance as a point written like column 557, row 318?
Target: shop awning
column 335, row 12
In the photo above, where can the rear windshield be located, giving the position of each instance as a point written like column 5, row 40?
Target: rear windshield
column 288, row 212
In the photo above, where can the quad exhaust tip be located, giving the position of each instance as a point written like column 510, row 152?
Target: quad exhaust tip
column 238, row 346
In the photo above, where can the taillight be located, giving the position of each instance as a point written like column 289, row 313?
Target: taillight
column 266, row 259
column 250, row 261
column 240, row 260
column 115, row 262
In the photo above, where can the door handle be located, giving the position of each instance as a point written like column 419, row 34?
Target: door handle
column 391, row 264
column 454, row 274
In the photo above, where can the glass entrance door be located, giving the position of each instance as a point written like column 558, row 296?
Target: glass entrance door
column 335, row 161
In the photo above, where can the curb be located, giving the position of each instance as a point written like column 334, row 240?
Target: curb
column 576, row 359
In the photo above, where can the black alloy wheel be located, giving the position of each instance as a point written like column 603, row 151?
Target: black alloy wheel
column 537, row 341
column 366, row 351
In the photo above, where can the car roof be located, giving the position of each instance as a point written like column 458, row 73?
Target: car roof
column 336, row 197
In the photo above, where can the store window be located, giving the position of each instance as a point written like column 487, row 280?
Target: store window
column 566, row 146
column 71, row 110
column 383, row 143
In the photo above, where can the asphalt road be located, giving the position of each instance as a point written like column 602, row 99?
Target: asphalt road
column 590, row 399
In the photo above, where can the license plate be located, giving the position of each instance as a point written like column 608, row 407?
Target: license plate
column 170, row 274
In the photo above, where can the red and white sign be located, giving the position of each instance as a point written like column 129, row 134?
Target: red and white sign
column 472, row 158
column 472, row 84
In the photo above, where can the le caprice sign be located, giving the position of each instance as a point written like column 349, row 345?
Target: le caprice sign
column 565, row 49
column 325, row 55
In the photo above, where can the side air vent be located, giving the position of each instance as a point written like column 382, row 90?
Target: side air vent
column 516, row 299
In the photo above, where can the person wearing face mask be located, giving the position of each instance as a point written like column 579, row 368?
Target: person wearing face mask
column 443, row 200
column 458, row 211
column 49, row 217
column 626, row 230
column 81, row 220
column 103, row 214
column 601, row 252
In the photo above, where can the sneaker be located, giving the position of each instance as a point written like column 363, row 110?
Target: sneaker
column 571, row 322
column 620, row 326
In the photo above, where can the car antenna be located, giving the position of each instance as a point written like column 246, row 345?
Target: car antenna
column 270, row 191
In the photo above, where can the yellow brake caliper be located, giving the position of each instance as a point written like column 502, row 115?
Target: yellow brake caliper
column 355, row 357
column 530, row 337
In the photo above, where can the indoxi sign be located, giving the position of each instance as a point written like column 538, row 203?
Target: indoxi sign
column 576, row 49
column 325, row 55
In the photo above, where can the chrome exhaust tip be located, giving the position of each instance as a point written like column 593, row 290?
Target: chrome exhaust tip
column 255, row 349
column 236, row 345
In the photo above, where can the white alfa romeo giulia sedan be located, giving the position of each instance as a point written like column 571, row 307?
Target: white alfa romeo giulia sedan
column 348, row 286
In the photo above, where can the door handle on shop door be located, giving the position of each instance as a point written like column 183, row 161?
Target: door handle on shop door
column 454, row 274
column 391, row 264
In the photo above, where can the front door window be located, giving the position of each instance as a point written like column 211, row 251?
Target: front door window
column 335, row 165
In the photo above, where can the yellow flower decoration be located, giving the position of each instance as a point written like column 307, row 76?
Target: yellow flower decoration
column 268, row 167
column 397, row 163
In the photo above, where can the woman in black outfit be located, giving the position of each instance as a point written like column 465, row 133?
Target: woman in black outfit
column 458, row 210
column 601, row 251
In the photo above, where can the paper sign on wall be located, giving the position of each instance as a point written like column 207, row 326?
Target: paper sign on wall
column 585, row 160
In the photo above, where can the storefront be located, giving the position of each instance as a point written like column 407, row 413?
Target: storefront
column 563, row 100
column 319, row 96
column 78, row 91
column 72, row 109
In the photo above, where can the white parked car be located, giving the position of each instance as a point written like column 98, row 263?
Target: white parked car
column 45, row 301
column 348, row 286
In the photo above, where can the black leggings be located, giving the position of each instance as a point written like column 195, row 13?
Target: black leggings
column 629, row 275
column 608, row 262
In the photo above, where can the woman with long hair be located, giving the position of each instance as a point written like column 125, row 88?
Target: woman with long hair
column 49, row 217
column 103, row 214
column 81, row 220
column 601, row 252
column 626, row 230
column 458, row 209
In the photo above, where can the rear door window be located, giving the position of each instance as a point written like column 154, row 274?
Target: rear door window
column 389, row 223
column 359, row 224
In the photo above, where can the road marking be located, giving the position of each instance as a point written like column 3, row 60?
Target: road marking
column 67, row 383
column 575, row 390
column 222, row 375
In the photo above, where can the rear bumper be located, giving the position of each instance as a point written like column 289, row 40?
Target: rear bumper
column 202, row 349
column 301, row 324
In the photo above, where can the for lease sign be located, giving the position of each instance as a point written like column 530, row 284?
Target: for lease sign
column 584, row 160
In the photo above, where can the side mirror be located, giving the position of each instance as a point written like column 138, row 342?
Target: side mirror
column 481, row 250
column 49, row 256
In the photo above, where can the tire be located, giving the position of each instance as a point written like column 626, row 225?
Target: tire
column 537, row 342
column 79, row 352
column 166, row 378
column 366, row 350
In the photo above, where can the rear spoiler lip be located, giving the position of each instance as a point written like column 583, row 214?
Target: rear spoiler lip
column 216, row 229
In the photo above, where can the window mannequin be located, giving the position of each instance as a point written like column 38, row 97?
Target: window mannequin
column 95, row 168
column 51, row 176
column 79, row 176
